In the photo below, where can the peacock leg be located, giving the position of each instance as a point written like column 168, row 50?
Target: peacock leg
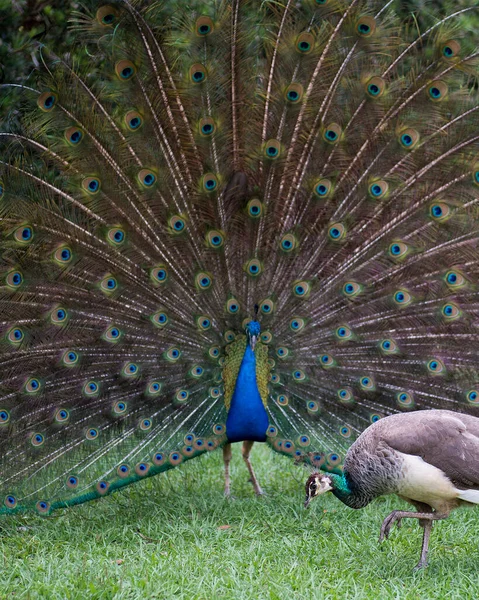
column 246, row 450
column 227, row 459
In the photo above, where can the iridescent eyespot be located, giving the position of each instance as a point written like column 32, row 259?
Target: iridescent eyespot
column 267, row 307
column 282, row 352
column 112, row 334
column 253, row 267
column 33, row 385
column 102, row 487
column 375, row 87
column 351, row 289
column 91, row 388
column 326, row 361
column 63, row 255
column 203, row 26
column 142, row 469
column 378, row 189
column 159, row 274
column 304, row 441
column 229, row 335
column 214, row 352
column 451, row 49
column 2, row 188
column 408, row 138
column 388, row 346
column 305, row 43
column 107, row 15
column 301, row 289
column 274, row 378
column 272, row 431
column 343, row 332
column 196, row 372
column 266, row 337
column 437, row 90
column 312, row 407
column 133, row 120
column 23, row 235
column 175, row 458
column 436, row 366
column 232, row 306
column 440, row 211
column 209, row 182
column 108, row 284
column 455, row 279
column 366, row 26
column 146, row 424
column 405, row 400
column 58, row 316
column 207, row 126
column 282, row 400
column 160, row 319
column 336, row 232
column 91, row 185
column 322, row 188
column 215, row 239
column 70, row 358
column 14, row 279
column 345, row 431
column 125, row 70
column 154, row 388
column 402, row 298
column 203, row 323
column 374, row 417
column 197, row 73
column 159, row 458
column 42, row 507
column 147, row 178
column 297, row 324
column 219, row 429
column 62, row 415
column 116, row 236
column 176, row 224
column 37, row 439
column 299, row 375
column 345, row 395
column 255, row 208
column 123, row 471
column 73, row 136
column 15, row 335
column 203, row 281
column 91, row 433
column 398, row 250
column 332, row 133
column 472, row 397
column 120, row 407
column 172, row 354
column 272, row 149
column 271, row 363
column 288, row 242
column 72, row 482
column 294, row 93
column 130, row 369
column 450, row 311
column 47, row 101
column 4, row 416
column 367, row 383
column 10, row 501
column 288, row 446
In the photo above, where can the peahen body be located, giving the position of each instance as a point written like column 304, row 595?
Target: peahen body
column 430, row 459
column 230, row 221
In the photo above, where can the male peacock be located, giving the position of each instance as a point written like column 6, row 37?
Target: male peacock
column 238, row 221
column 430, row 459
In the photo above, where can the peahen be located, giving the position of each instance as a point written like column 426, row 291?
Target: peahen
column 430, row 459
column 228, row 221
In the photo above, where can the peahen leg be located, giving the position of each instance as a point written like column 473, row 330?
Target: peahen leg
column 426, row 519
column 246, row 451
column 227, row 459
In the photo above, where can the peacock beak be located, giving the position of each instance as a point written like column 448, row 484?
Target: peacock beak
column 252, row 341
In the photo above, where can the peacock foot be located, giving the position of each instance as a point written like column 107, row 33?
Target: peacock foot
column 388, row 522
column 422, row 564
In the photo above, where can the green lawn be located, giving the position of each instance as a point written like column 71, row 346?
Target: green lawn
column 175, row 536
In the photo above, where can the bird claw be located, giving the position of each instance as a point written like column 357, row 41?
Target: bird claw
column 388, row 523
column 422, row 564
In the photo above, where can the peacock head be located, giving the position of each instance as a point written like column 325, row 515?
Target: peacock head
column 253, row 329
column 316, row 485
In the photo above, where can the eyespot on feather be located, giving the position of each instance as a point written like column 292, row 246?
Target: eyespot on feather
column 451, row 49
column 366, row 26
column 203, row 281
column 332, row 133
column 323, row 188
column 204, row 26
column 378, row 189
column 160, row 319
column 147, row 178
column 107, row 15
column 133, row 120
column 255, row 208
column 62, row 255
column 73, row 136
column 375, row 87
column 47, row 101
column 176, row 224
column 207, row 126
column 305, row 43
column 294, row 93
column 437, row 90
column 408, row 138
column 116, row 236
column 209, row 182
column 108, row 284
column 232, row 307
column 272, row 149
column 267, row 307
column 336, row 232
column 253, row 267
column 197, row 73
column 125, row 70
column 440, row 211
column 159, row 274
column 91, row 185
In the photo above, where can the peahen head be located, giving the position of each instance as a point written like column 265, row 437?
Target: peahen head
column 253, row 329
column 316, row 485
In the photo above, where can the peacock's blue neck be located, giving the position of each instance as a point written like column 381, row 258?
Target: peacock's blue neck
column 247, row 418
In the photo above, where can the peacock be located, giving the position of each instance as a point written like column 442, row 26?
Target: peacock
column 233, row 221
column 430, row 459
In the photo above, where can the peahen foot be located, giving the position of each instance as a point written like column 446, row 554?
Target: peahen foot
column 394, row 517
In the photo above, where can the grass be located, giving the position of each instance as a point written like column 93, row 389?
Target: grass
column 175, row 536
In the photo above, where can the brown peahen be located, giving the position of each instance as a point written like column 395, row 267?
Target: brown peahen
column 228, row 221
column 430, row 459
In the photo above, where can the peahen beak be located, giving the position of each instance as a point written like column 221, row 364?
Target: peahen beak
column 307, row 501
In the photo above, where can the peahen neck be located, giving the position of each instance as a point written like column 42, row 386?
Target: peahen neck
column 247, row 418
column 350, row 494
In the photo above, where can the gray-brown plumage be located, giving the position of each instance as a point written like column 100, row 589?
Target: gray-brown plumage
column 428, row 458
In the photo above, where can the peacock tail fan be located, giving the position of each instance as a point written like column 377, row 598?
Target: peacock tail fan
column 187, row 162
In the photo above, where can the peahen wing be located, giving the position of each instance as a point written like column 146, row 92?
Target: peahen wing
column 317, row 160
